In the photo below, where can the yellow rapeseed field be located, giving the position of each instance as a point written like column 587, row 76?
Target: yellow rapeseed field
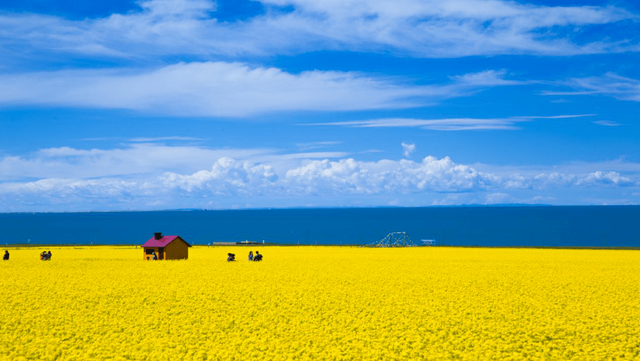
column 321, row 303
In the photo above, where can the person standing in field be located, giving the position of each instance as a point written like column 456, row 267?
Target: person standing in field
column 250, row 256
column 155, row 257
column 6, row 255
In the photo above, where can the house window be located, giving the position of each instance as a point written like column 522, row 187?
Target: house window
column 148, row 251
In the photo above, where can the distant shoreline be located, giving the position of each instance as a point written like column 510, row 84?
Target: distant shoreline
column 508, row 205
column 30, row 246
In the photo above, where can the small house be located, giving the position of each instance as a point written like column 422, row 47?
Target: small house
column 166, row 247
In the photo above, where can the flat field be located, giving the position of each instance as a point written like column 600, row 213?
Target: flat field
column 321, row 303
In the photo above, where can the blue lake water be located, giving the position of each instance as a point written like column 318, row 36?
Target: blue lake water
column 592, row 226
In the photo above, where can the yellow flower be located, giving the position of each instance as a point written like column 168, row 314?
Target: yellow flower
column 321, row 303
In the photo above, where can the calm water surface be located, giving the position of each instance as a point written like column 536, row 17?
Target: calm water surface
column 478, row 226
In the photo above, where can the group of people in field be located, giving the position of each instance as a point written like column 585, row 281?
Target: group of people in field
column 44, row 256
column 258, row 257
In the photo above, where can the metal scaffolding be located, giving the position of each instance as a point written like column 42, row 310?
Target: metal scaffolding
column 394, row 239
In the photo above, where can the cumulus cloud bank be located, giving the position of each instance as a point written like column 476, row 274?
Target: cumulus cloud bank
column 297, row 178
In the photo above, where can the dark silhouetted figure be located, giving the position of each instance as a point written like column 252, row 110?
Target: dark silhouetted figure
column 231, row 257
column 6, row 255
column 258, row 257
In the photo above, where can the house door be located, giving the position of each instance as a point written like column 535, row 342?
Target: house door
column 161, row 253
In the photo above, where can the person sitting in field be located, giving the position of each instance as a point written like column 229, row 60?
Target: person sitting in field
column 155, row 256
column 250, row 256
column 49, row 256
column 43, row 256
column 258, row 257
column 6, row 255
column 231, row 258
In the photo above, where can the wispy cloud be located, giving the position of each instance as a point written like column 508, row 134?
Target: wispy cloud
column 138, row 160
column 609, row 84
column 142, row 139
column 487, row 78
column 100, row 139
column 422, row 28
column 158, row 139
column 223, row 89
column 607, row 123
column 316, row 145
column 448, row 124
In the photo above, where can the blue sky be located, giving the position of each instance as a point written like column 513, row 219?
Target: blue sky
column 164, row 104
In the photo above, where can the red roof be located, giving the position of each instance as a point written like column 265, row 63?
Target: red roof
column 162, row 242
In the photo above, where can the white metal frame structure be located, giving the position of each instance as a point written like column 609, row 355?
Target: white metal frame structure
column 394, row 239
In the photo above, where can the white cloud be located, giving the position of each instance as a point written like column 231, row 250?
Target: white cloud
column 53, row 188
column 408, row 149
column 178, row 8
column 227, row 177
column 423, row 28
column 448, row 124
column 131, row 178
column 576, row 167
column 404, row 176
column 610, row 84
column 220, row 89
column 158, row 139
column 553, row 179
column 606, row 178
column 486, row 78
column 316, row 145
column 607, row 123
column 136, row 160
column 499, row 198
